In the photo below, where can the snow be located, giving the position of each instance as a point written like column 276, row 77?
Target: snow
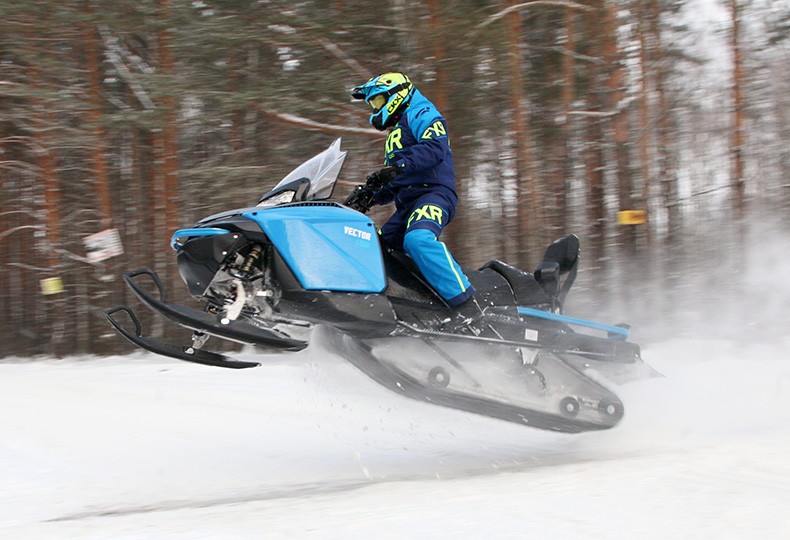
column 307, row 447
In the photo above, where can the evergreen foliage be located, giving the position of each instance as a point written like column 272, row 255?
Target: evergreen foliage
column 175, row 109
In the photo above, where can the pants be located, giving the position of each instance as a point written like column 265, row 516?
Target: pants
column 420, row 216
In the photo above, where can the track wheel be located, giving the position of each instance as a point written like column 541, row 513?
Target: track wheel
column 439, row 377
column 611, row 409
column 569, row 406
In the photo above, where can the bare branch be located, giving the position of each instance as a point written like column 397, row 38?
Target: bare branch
column 20, row 228
column 537, row 3
column 306, row 123
column 20, row 166
column 73, row 256
column 34, row 215
column 29, row 267
column 596, row 114
column 341, row 55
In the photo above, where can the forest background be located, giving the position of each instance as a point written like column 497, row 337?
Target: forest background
column 656, row 130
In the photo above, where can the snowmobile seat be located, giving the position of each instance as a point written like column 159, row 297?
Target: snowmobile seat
column 526, row 291
column 492, row 287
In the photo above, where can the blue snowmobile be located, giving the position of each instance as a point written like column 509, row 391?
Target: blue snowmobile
column 299, row 263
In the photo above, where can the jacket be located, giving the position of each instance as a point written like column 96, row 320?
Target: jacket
column 418, row 146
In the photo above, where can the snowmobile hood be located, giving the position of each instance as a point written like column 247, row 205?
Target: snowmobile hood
column 343, row 254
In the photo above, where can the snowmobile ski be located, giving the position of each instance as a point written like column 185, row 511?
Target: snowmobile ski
column 234, row 330
column 189, row 354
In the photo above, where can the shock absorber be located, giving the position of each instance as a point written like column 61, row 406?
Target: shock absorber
column 252, row 259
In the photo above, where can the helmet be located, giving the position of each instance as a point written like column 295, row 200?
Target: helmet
column 395, row 90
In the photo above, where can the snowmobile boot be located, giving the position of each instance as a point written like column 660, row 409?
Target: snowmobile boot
column 466, row 319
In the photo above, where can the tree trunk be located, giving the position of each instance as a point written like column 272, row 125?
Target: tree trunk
column 439, row 98
column 565, row 167
column 738, row 181
column 43, row 121
column 167, row 148
column 6, row 224
column 644, row 115
column 619, row 124
column 528, row 208
column 666, row 170
column 439, row 91
column 594, row 167
column 99, row 143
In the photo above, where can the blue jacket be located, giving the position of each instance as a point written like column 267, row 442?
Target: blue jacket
column 419, row 147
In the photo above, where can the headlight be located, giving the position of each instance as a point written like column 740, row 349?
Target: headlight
column 280, row 198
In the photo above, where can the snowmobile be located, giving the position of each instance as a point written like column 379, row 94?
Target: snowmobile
column 299, row 264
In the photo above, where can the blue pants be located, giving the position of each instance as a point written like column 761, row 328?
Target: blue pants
column 420, row 216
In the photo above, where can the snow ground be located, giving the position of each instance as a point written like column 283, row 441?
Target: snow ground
column 308, row 447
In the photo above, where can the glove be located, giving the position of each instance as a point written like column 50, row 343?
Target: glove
column 378, row 179
column 361, row 198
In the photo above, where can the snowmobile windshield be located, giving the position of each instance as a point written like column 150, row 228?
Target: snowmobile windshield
column 320, row 171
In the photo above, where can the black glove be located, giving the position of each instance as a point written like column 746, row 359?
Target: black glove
column 361, row 198
column 378, row 179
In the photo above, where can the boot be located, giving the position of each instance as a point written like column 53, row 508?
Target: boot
column 465, row 319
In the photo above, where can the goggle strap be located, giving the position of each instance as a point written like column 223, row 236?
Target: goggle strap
column 390, row 92
column 396, row 89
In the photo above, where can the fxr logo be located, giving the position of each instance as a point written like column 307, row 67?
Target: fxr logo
column 393, row 141
column 356, row 233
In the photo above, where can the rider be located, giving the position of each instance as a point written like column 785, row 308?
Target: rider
column 419, row 177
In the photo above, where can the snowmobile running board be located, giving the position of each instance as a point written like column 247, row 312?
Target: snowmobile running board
column 619, row 331
column 189, row 354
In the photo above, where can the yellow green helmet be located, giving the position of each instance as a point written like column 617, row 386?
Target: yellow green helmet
column 395, row 89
